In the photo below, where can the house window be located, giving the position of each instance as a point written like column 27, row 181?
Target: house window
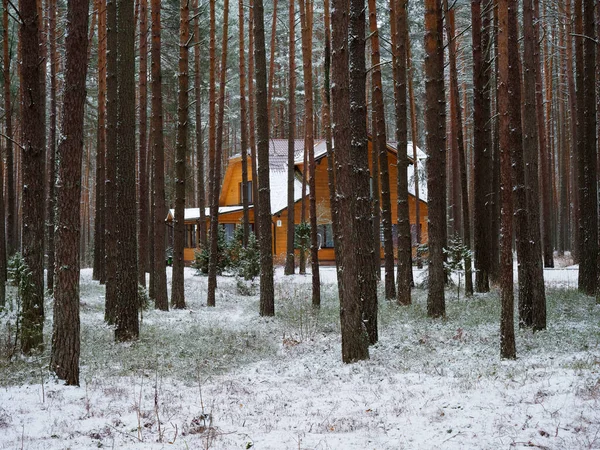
column 325, row 236
column 249, row 192
column 190, row 236
column 229, row 231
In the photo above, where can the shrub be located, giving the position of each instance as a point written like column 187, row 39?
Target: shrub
column 201, row 257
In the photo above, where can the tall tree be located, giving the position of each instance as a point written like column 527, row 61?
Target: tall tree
column 51, row 169
column 435, row 125
column 66, row 330
column 251, row 117
column 110, row 194
column 365, row 280
column 457, row 146
column 143, row 198
column 99, row 272
column 355, row 341
column 267, row 301
column 177, row 286
column 380, row 143
column 216, row 168
column 158, row 154
column 482, row 148
column 588, row 201
column 291, row 225
column 531, row 276
column 11, row 220
column 507, row 108
column 306, row 18
column 199, row 144
column 244, row 127
column 400, row 23
column 127, row 320
column 32, row 176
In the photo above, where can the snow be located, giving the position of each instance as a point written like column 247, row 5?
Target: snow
column 225, row 378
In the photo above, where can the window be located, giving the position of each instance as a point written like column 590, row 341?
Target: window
column 325, row 236
column 229, row 231
column 249, row 192
column 190, row 236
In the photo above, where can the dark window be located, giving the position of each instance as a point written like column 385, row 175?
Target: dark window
column 248, row 190
column 325, row 235
column 190, row 236
column 229, row 231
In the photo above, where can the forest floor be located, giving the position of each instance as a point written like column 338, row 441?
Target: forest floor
column 225, row 378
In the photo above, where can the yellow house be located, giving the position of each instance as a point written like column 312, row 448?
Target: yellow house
column 230, row 200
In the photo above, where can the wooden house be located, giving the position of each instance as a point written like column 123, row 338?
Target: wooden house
column 230, row 200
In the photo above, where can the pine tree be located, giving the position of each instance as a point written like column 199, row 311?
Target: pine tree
column 66, row 330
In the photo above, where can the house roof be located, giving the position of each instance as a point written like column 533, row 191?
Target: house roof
column 194, row 213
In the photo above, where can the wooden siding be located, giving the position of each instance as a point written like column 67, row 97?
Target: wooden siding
column 230, row 195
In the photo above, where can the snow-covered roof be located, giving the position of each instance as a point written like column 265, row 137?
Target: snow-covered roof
column 191, row 214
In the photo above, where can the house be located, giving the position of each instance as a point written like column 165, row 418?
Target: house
column 230, row 200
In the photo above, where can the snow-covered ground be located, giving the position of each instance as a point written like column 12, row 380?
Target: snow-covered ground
column 225, row 378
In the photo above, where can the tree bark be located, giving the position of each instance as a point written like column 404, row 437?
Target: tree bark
column 99, row 272
column 291, row 225
column 11, row 219
column 267, row 301
column 309, row 143
column 216, row 168
column 202, row 241
column 355, row 340
column 158, row 154
column 32, row 176
column 177, row 285
column 458, row 148
column 482, row 147
column 244, row 127
column 435, row 125
column 532, row 297
column 143, row 199
column 380, row 143
column 66, row 329
column 127, row 320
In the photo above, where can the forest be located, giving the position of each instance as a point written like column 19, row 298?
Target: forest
column 423, row 173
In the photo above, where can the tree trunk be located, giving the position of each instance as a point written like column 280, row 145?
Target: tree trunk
column 355, row 340
column 216, row 168
column 127, row 321
column 251, row 119
column 143, row 201
column 267, row 301
column 203, row 241
column 177, row 286
column 588, row 202
column 99, row 272
column 11, row 219
column 435, row 124
column 32, row 176
column 507, row 109
column 66, row 329
column 291, row 225
column 158, row 154
column 272, row 61
column 380, row 143
column 306, row 13
column 482, row 147
column 458, row 149
column 532, row 297
column 244, row 127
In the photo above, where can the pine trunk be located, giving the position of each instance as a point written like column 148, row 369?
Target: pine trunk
column 380, row 143
column 291, row 225
column 244, row 128
column 435, row 125
column 267, row 301
column 507, row 109
column 11, row 219
column 177, row 286
column 127, row 321
column 32, row 177
column 355, row 340
column 158, row 154
column 143, row 200
column 203, row 240
column 66, row 328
